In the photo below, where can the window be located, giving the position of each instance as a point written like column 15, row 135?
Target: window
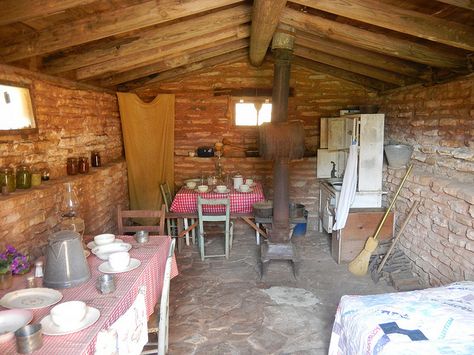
column 16, row 109
column 252, row 111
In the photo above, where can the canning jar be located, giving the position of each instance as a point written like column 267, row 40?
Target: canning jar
column 35, row 178
column 95, row 159
column 83, row 165
column 72, row 166
column 23, row 177
column 7, row 178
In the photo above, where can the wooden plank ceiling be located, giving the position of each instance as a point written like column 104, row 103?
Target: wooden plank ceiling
column 131, row 44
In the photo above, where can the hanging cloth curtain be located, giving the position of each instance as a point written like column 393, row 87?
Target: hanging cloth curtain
column 348, row 189
column 148, row 136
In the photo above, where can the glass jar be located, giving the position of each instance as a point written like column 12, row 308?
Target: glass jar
column 35, row 178
column 83, row 165
column 95, row 159
column 72, row 166
column 23, row 177
column 7, row 178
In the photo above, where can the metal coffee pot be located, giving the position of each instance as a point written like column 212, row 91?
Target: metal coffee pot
column 66, row 265
column 238, row 180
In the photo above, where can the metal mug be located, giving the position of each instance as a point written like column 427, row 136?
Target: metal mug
column 141, row 236
column 29, row 338
column 106, row 283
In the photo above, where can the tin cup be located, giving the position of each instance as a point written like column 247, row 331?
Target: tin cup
column 29, row 338
column 106, row 283
column 141, row 236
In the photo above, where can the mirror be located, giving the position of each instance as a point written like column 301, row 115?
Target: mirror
column 17, row 114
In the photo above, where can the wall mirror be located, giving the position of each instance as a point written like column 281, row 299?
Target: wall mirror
column 17, row 114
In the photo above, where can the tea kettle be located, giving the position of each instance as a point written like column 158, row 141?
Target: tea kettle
column 238, row 180
column 66, row 265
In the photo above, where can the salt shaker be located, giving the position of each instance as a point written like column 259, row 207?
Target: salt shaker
column 39, row 268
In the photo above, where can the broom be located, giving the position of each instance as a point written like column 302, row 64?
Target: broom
column 360, row 264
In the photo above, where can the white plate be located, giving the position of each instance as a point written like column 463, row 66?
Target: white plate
column 192, row 180
column 103, row 251
column 49, row 328
column 92, row 245
column 225, row 192
column 244, row 192
column 105, row 267
column 12, row 320
column 31, row 298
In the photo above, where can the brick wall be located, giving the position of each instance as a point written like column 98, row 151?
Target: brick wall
column 71, row 121
column 438, row 122
column 203, row 119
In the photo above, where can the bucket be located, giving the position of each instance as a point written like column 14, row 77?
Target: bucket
column 296, row 210
column 398, row 155
column 300, row 228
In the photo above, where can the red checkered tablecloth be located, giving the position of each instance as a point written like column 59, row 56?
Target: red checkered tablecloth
column 185, row 200
column 111, row 306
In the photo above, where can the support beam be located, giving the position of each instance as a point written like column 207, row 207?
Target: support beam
column 376, row 42
column 156, row 54
column 397, row 19
column 359, row 68
column 466, row 4
column 22, row 10
column 265, row 17
column 358, row 79
column 153, row 38
column 219, row 48
column 107, row 24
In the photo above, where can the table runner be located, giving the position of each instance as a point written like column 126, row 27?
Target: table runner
column 111, row 306
column 185, row 200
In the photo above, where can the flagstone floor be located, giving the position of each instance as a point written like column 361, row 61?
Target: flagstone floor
column 220, row 306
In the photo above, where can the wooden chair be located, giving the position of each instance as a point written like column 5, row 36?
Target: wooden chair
column 225, row 217
column 124, row 215
column 172, row 225
column 160, row 327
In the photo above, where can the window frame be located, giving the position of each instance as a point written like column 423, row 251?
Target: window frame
column 247, row 99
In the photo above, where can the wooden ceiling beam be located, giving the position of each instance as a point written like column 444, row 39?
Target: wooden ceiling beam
column 156, row 54
column 376, row 42
column 106, row 24
column 363, row 56
column 397, row 19
column 265, row 17
column 22, row 10
column 152, row 38
column 195, row 68
column 466, row 4
column 349, row 65
column 343, row 74
column 197, row 55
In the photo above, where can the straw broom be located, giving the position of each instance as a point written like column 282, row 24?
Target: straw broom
column 360, row 264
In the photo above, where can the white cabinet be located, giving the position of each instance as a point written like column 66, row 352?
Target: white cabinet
column 341, row 132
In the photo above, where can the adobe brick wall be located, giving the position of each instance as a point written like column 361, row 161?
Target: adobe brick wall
column 203, row 119
column 438, row 122
column 71, row 122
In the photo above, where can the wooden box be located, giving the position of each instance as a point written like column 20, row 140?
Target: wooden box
column 361, row 223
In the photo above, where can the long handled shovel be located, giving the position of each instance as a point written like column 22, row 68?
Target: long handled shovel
column 360, row 264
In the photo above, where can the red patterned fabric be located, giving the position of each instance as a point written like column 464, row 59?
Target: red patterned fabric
column 111, row 306
column 185, row 200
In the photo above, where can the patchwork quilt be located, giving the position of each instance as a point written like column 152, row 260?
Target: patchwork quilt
column 432, row 321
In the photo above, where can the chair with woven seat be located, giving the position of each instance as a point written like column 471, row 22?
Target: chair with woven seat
column 156, row 325
column 124, row 216
column 214, row 217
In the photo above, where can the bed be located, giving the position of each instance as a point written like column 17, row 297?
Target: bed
column 431, row 321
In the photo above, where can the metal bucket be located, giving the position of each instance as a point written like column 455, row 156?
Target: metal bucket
column 398, row 155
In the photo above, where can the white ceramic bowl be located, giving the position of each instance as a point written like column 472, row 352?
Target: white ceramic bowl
column 103, row 239
column 249, row 182
column 103, row 251
column 244, row 188
column 68, row 314
column 221, row 188
column 203, row 188
column 119, row 261
column 191, row 184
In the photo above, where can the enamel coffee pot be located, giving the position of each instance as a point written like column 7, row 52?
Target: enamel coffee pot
column 238, row 180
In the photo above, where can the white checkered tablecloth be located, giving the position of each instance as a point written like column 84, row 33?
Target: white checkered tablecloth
column 111, row 306
column 185, row 200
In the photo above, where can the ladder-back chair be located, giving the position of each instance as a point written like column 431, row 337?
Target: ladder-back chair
column 124, row 216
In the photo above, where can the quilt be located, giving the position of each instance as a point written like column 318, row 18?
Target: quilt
column 431, row 321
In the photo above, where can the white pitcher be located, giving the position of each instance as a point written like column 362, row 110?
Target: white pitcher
column 238, row 180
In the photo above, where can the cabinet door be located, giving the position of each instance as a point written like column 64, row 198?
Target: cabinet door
column 323, row 133
column 340, row 131
column 371, row 152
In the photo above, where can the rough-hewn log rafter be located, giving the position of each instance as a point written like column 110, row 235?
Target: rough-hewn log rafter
column 106, row 24
column 376, row 42
column 466, row 4
column 22, row 10
column 398, row 19
column 343, row 74
column 153, row 38
column 265, row 18
column 156, row 54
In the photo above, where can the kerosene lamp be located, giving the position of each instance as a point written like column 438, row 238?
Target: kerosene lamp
column 69, row 211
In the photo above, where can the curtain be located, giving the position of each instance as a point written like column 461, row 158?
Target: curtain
column 148, row 136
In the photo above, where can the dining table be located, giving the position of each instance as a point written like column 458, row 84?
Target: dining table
column 112, row 306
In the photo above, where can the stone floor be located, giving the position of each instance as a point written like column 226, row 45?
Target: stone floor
column 221, row 306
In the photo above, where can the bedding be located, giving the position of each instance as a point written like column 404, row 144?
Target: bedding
column 431, row 321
